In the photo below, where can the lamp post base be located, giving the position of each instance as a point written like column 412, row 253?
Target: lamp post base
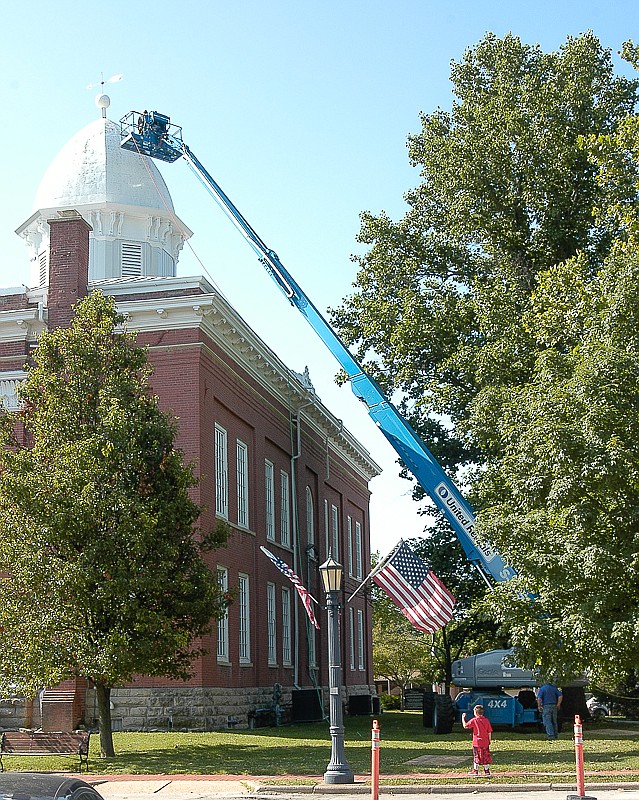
column 339, row 776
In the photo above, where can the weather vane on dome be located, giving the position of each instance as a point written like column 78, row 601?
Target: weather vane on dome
column 103, row 101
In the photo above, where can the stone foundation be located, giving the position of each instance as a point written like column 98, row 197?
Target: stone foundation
column 193, row 709
column 178, row 708
column 16, row 712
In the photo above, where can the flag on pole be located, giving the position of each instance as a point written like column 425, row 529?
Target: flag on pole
column 304, row 594
column 415, row 589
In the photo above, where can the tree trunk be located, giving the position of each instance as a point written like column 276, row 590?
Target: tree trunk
column 103, row 694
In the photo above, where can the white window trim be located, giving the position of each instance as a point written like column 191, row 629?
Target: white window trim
column 244, row 598
column 326, row 528
column 223, row 622
column 358, row 550
column 285, row 509
column 269, row 488
column 310, row 519
column 312, row 645
column 351, row 622
column 242, row 485
column 287, row 644
column 335, row 531
column 132, row 259
column 271, row 624
column 43, row 264
column 221, row 472
column 360, row 639
column 349, row 544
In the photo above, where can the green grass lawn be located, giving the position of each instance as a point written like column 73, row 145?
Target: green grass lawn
column 305, row 750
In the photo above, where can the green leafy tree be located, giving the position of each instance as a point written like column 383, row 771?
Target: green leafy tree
column 102, row 563
column 482, row 309
column 507, row 191
column 401, row 653
column 568, row 480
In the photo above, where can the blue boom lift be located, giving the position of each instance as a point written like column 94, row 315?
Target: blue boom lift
column 152, row 134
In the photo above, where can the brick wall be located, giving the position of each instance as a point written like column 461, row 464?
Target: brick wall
column 201, row 385
column 68, row 266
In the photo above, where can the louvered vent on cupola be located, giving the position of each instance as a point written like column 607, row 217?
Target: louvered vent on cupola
column 42, row 265
column 131, row 259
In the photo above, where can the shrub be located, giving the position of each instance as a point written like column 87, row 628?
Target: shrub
column 390, row 702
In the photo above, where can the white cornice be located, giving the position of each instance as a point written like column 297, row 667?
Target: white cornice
column 215, row 316
column 21, row 325
column 42, row 215
column 144, row 285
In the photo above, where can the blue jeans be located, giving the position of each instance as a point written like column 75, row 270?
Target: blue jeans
column 549, row 718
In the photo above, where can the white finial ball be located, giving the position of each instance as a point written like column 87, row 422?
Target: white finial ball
column 102, row 101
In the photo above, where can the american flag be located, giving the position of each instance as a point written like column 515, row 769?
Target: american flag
column 417, row 591
column 304, row 594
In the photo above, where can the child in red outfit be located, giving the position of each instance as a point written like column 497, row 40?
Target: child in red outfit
column 482, row 735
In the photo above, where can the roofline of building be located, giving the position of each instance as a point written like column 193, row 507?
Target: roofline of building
column 205, row 308
column 220, row 321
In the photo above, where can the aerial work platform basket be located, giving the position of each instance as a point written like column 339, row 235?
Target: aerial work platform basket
column 151, row 134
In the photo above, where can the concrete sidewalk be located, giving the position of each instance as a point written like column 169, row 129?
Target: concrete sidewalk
column 213, row 787
column 169, row 787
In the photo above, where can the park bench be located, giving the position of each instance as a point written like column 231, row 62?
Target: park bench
column 261, row 717
column 39, row 743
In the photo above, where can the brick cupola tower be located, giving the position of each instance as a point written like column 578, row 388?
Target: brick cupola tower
column 68, row 266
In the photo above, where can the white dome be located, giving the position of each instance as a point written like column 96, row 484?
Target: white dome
column 92, row 168
column 121, row 195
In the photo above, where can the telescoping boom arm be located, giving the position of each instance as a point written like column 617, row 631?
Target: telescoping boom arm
column 152, row 134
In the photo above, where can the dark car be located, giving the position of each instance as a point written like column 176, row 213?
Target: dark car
column 44, row 786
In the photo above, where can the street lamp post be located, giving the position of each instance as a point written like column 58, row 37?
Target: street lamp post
column 338, row 770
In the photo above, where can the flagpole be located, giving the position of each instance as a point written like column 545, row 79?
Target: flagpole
column 375, row 570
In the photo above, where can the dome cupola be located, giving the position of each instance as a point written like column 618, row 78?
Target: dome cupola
column 121, row 195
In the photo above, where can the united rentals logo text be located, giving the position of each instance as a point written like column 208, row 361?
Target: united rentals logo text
column 467, row 522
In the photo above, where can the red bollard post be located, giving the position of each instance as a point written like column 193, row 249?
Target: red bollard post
column 579, row 756
column 375, row 761
column 579, row 761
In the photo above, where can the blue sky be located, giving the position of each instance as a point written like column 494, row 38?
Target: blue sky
column 299, row 110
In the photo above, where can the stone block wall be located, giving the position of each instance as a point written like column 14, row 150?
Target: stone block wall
column 191, row 708
column 16, row 712
column 181, row 708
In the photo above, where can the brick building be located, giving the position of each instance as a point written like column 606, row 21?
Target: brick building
column 272, row 459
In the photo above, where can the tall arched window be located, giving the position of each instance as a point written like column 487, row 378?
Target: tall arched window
column 310, row 519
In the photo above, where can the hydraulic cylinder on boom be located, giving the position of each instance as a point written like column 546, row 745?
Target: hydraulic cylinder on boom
column 152, row 134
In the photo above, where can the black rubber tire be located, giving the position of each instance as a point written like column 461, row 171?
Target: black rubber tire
column 443, row 714
column 427, row 708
